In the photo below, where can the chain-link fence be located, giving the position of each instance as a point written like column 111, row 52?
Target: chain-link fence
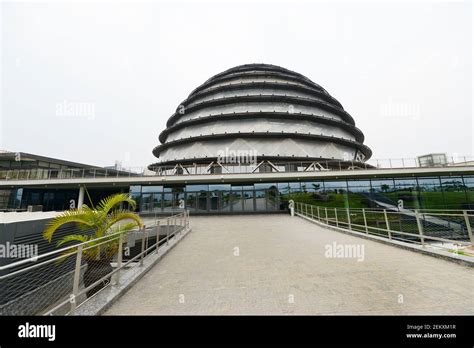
column 443, row 228
column 58, row 282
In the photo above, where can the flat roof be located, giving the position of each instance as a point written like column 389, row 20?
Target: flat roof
column 12, row 217
column 28, row 157
column 24, row 156
column 237, row 178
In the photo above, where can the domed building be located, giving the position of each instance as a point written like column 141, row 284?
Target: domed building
column 274, row 124
column 259, row 117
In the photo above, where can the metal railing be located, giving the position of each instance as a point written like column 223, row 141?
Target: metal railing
column 232, row 168
column 441, row 228
column 60, row 281
column 74, row 173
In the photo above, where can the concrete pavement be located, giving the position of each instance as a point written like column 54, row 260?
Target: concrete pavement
column 276, row 264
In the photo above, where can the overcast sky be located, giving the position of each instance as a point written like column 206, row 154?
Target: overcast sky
column 402, row 70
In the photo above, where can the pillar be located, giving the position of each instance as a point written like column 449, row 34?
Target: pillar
column 80, row 200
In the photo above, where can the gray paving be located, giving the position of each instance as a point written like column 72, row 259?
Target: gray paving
column 276, row 264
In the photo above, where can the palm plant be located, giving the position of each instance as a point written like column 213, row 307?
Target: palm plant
column 105, row 220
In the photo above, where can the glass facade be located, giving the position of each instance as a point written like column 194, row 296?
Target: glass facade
column 433, row 192
column 450, row 192
column 55, row 199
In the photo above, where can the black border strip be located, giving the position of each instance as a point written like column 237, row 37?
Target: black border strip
column 290, row 330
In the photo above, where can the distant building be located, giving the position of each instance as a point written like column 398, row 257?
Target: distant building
column 27, row 166
column 433, row 160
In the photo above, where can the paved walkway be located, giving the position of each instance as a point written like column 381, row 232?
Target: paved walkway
column 276, row 264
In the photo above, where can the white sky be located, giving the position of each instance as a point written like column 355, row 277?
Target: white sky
column 402, row 70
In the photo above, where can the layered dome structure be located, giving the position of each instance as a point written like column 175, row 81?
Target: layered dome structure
column 278, row 116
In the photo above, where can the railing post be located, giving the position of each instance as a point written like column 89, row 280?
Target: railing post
column 143, row 246
column 306, row 209
column 167, row 230
column 348, row 219
column 468, row 226
column 77, row 277
column 119, row 259
column 326, row 214
column 175, row 225
column 335, row 214
column 312, row 215
column 420, row 228
column 319, row 218
column 157, row 235
column 386, row 223
column 365, row 221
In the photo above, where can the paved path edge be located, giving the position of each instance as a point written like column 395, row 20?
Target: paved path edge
column 459, row 259
column 106, row 298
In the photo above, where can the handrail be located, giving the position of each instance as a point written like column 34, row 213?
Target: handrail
column 50, row 289
column 233, row 168
column 427, row 225
column 61, row 250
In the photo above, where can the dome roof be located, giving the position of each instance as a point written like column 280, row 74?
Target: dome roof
column 275, row 112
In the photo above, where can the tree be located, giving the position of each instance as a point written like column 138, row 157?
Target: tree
column 105, row 220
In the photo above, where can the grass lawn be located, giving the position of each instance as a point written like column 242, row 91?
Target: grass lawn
column 432, row 200
column 336, row 200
